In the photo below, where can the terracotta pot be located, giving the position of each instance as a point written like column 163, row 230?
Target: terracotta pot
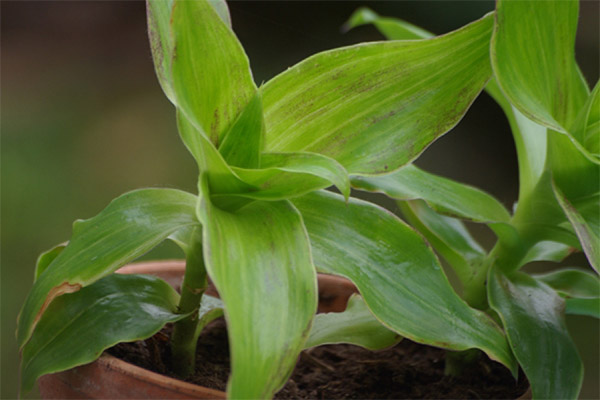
column 112, row 378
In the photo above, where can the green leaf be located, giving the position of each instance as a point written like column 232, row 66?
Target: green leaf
column 211, row 308
column 356, row 325
column 588, row 235
column 46, row 259
column 262, row 251
column 532, row 314
column 211, row 74
column 448, row 236
column 161, row 42
column 443, row 195
column 547, row 251
column 534, row 60
column 131, row 225
column 77, row 327
column 579, row 306
column 241, row 145
column 370, row 106
column 397, row 274
column 392, row 28
column 572, row 282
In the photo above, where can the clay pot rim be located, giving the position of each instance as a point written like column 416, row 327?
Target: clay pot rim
column 177, row 267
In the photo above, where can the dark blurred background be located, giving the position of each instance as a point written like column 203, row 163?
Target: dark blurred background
column 84, row 120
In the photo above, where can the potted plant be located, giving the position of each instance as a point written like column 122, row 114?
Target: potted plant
column 261, row 223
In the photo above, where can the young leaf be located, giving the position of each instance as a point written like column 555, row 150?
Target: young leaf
column 356, row 325
column 532, row 314
column 370, row 106
column 587, row 307
column 392, row 28
column 77, row 327
column 262, row 251
column 534, row 60
column 131, row 225
column 241, row 145
column 443, row 195
column 211, row 74
column 391, row 264
column 211, row 308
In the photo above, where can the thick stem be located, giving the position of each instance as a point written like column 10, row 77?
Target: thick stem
column 183, row 338
column 457, row 361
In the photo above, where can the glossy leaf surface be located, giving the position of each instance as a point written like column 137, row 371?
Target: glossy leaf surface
column 370, row 106
column 262, row 251
column 532, row 314
column 392, row 265
column 77, row 327
column 131, row 225
column 443, row 195
column 356, row 325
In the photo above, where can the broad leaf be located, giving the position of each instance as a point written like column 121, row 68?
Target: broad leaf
column 131, row 225
column 77, row 327
column 443, row 195
column 534, row 60
column 46, row 258
column 547, row 251
column 392, row 28
column 355, row 325
column 262, row 251
column 371, row 106
column 397, row 274
column 210, row 71
column 532, row 314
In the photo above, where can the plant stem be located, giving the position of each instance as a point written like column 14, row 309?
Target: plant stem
column 457, row 361
column 183, row 338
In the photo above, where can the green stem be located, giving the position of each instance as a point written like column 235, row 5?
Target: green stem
column 183, row 338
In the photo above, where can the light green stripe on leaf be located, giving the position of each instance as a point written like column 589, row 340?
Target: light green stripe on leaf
column 260, row 262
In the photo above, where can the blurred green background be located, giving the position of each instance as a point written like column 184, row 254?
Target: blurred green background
column 84, row 120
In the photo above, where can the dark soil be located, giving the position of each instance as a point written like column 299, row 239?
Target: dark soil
column 408, row 370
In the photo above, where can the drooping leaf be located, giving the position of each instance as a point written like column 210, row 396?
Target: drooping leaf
column 443, row 195
column 588, row 234
column 211, row 74
column 46, row 259
column 534, row 60
column 356, row 325
column 77, row 327
column 131, row 225
column 392, row 28
column 532, row 314
column 397, row 274
column 572, row 282
column 448, row 236
column 262, row 251
column 371, row 107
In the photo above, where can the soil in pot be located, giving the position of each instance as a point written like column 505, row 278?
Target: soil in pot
column 408, row 370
